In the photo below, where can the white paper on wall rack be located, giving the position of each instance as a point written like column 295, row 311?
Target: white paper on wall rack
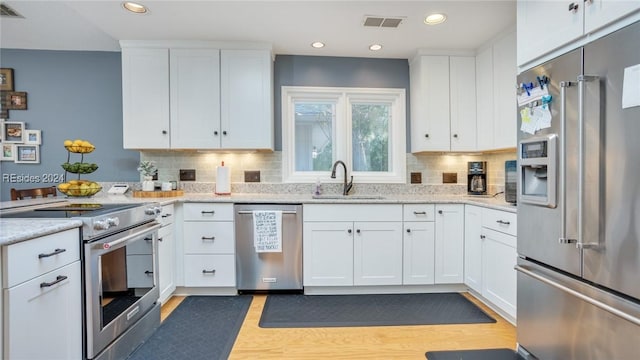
column 267, row 231
column 631, row 87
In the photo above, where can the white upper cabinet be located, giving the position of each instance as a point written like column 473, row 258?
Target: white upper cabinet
column 196, row 95
column 496, row 73
column 545, row 26
column 247, row 102
column 145, row 98
column 195, row 98
column 443, row 102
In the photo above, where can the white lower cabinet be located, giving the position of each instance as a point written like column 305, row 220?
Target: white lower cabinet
column 418, row 245
column 352, row 244
column 449, row 244
column 166, row 257
column 490, row 256
column 42, row 311
column 209, row 245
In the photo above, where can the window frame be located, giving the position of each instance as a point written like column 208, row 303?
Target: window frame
column 344, row 97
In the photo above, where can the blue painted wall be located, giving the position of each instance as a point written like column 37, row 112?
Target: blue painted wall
column 295, row 70
column 70, row 95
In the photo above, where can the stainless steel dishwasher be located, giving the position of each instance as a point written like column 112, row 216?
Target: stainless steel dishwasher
column 261, row 271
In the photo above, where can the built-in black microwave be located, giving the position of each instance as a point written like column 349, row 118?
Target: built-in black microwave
column 511, row 181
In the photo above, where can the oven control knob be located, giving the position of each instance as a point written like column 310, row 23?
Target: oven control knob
column 100, row 225
column 114, row 221
column 156, row 210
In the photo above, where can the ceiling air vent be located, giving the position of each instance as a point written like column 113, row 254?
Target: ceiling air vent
column 382, row 22
column 6, row 11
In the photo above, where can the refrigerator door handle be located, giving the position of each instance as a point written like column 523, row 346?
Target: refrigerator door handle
column 563, row 165
column 579, row 295
column 582, row 79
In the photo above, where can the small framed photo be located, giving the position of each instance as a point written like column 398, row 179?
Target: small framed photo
column 6, row 79
column 32, row 137
column 13, row 132
column 16, row 100
column 8, row 152
column 27, row 154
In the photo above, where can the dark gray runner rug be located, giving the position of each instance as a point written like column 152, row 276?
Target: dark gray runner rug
column 298, row 311
column 201, row 327
column 485, row 354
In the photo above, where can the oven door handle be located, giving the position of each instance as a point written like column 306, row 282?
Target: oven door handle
column 109, row 245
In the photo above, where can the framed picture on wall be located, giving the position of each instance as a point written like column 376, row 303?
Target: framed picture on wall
column 8, row 152
column 6, row 79
column 32, row 137
column 27, row 154
column 12, row 132
column 16, row 100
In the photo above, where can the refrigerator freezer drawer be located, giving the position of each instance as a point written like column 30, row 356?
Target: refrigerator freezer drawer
column 563, row 318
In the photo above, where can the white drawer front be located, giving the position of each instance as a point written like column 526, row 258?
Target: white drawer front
column 418, row 212
column 209, row 270
column 352, row 212
column 208, row 212
column 29, row 259
column 167, row 215
column 502, row 221
column 209, row 238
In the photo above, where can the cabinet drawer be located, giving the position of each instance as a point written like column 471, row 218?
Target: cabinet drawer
column 352, row 212
column 209, row 238
column 209, row 270
column 418, row 212
column 167, row 215
column 28, row 259
column 208, row 212
column 500, row 221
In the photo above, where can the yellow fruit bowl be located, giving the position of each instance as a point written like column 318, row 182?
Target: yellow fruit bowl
column 79, row 188
column 80, row 149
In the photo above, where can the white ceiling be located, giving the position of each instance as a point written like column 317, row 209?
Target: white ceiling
column 290, row 26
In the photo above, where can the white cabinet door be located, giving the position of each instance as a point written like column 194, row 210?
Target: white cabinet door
column 499, row 277
column 166, row 262
column 484, row 99
column 45, row 322
column 449, row 244
column 145, row 98
column 195, row 98
column 377, row 248
column 504, row 94
column 418, row 247
column 429, row 92
column 598, row 13
column 546, row 25
column 328, row 253
column 473, row 247
column 462, row 78
column 246, row 100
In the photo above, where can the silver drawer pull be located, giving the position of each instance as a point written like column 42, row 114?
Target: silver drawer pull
column 147, row 272
column 59, row 278
column 211, row 212
column 166, row 215
column 55, row 252
column 284, row 212
column 208, row 238
column 503, row 222
column 419, row 213
column 209, row 271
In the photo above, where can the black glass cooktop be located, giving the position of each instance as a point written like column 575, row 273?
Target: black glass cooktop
column 69, row 211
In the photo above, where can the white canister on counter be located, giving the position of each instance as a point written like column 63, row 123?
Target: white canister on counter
column 166, row 186
column 223, row 180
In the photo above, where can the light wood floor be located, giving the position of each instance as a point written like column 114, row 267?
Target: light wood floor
column 376, row 342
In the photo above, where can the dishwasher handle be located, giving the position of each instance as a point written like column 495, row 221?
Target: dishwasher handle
column 290, row 212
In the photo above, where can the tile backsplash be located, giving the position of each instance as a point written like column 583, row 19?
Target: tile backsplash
column 431, row 166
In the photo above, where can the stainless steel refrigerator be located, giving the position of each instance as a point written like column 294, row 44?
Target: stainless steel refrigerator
column 579, row 203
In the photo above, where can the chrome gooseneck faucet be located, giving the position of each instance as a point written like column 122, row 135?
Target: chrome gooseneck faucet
column 347, row 186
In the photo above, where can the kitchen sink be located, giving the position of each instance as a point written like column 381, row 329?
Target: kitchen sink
column 349, row 197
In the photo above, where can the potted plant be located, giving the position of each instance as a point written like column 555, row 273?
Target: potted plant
column 147, row 169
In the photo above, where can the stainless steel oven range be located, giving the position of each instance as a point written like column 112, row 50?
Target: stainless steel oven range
column 120, row 278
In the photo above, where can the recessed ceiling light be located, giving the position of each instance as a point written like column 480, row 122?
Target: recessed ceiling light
column 375, row 47
column 134, row 7
column 317, row 44
column 435, row 19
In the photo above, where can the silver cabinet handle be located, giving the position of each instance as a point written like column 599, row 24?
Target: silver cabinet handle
column 210, row 212
column 419, row 213
column 455, row 136
column 208, row 238
column 208, row 271
column 482, row 237
column 503, row 222
column 408, row 230
column 573, row 7
column 349, row 231
column 426, row 135
column 148, row 273
column 358, row 231
column 285, row 212
column 563, row 163
column 440, row 212
column 55, row 252
column 166, row 215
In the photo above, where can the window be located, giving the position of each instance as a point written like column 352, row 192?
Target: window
column 363, row 127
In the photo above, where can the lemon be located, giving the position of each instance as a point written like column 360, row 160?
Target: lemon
column 68, row 143
column 73, row 182
column 64, row 186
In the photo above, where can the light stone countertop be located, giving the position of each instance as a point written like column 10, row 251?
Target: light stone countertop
column 14, row 230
